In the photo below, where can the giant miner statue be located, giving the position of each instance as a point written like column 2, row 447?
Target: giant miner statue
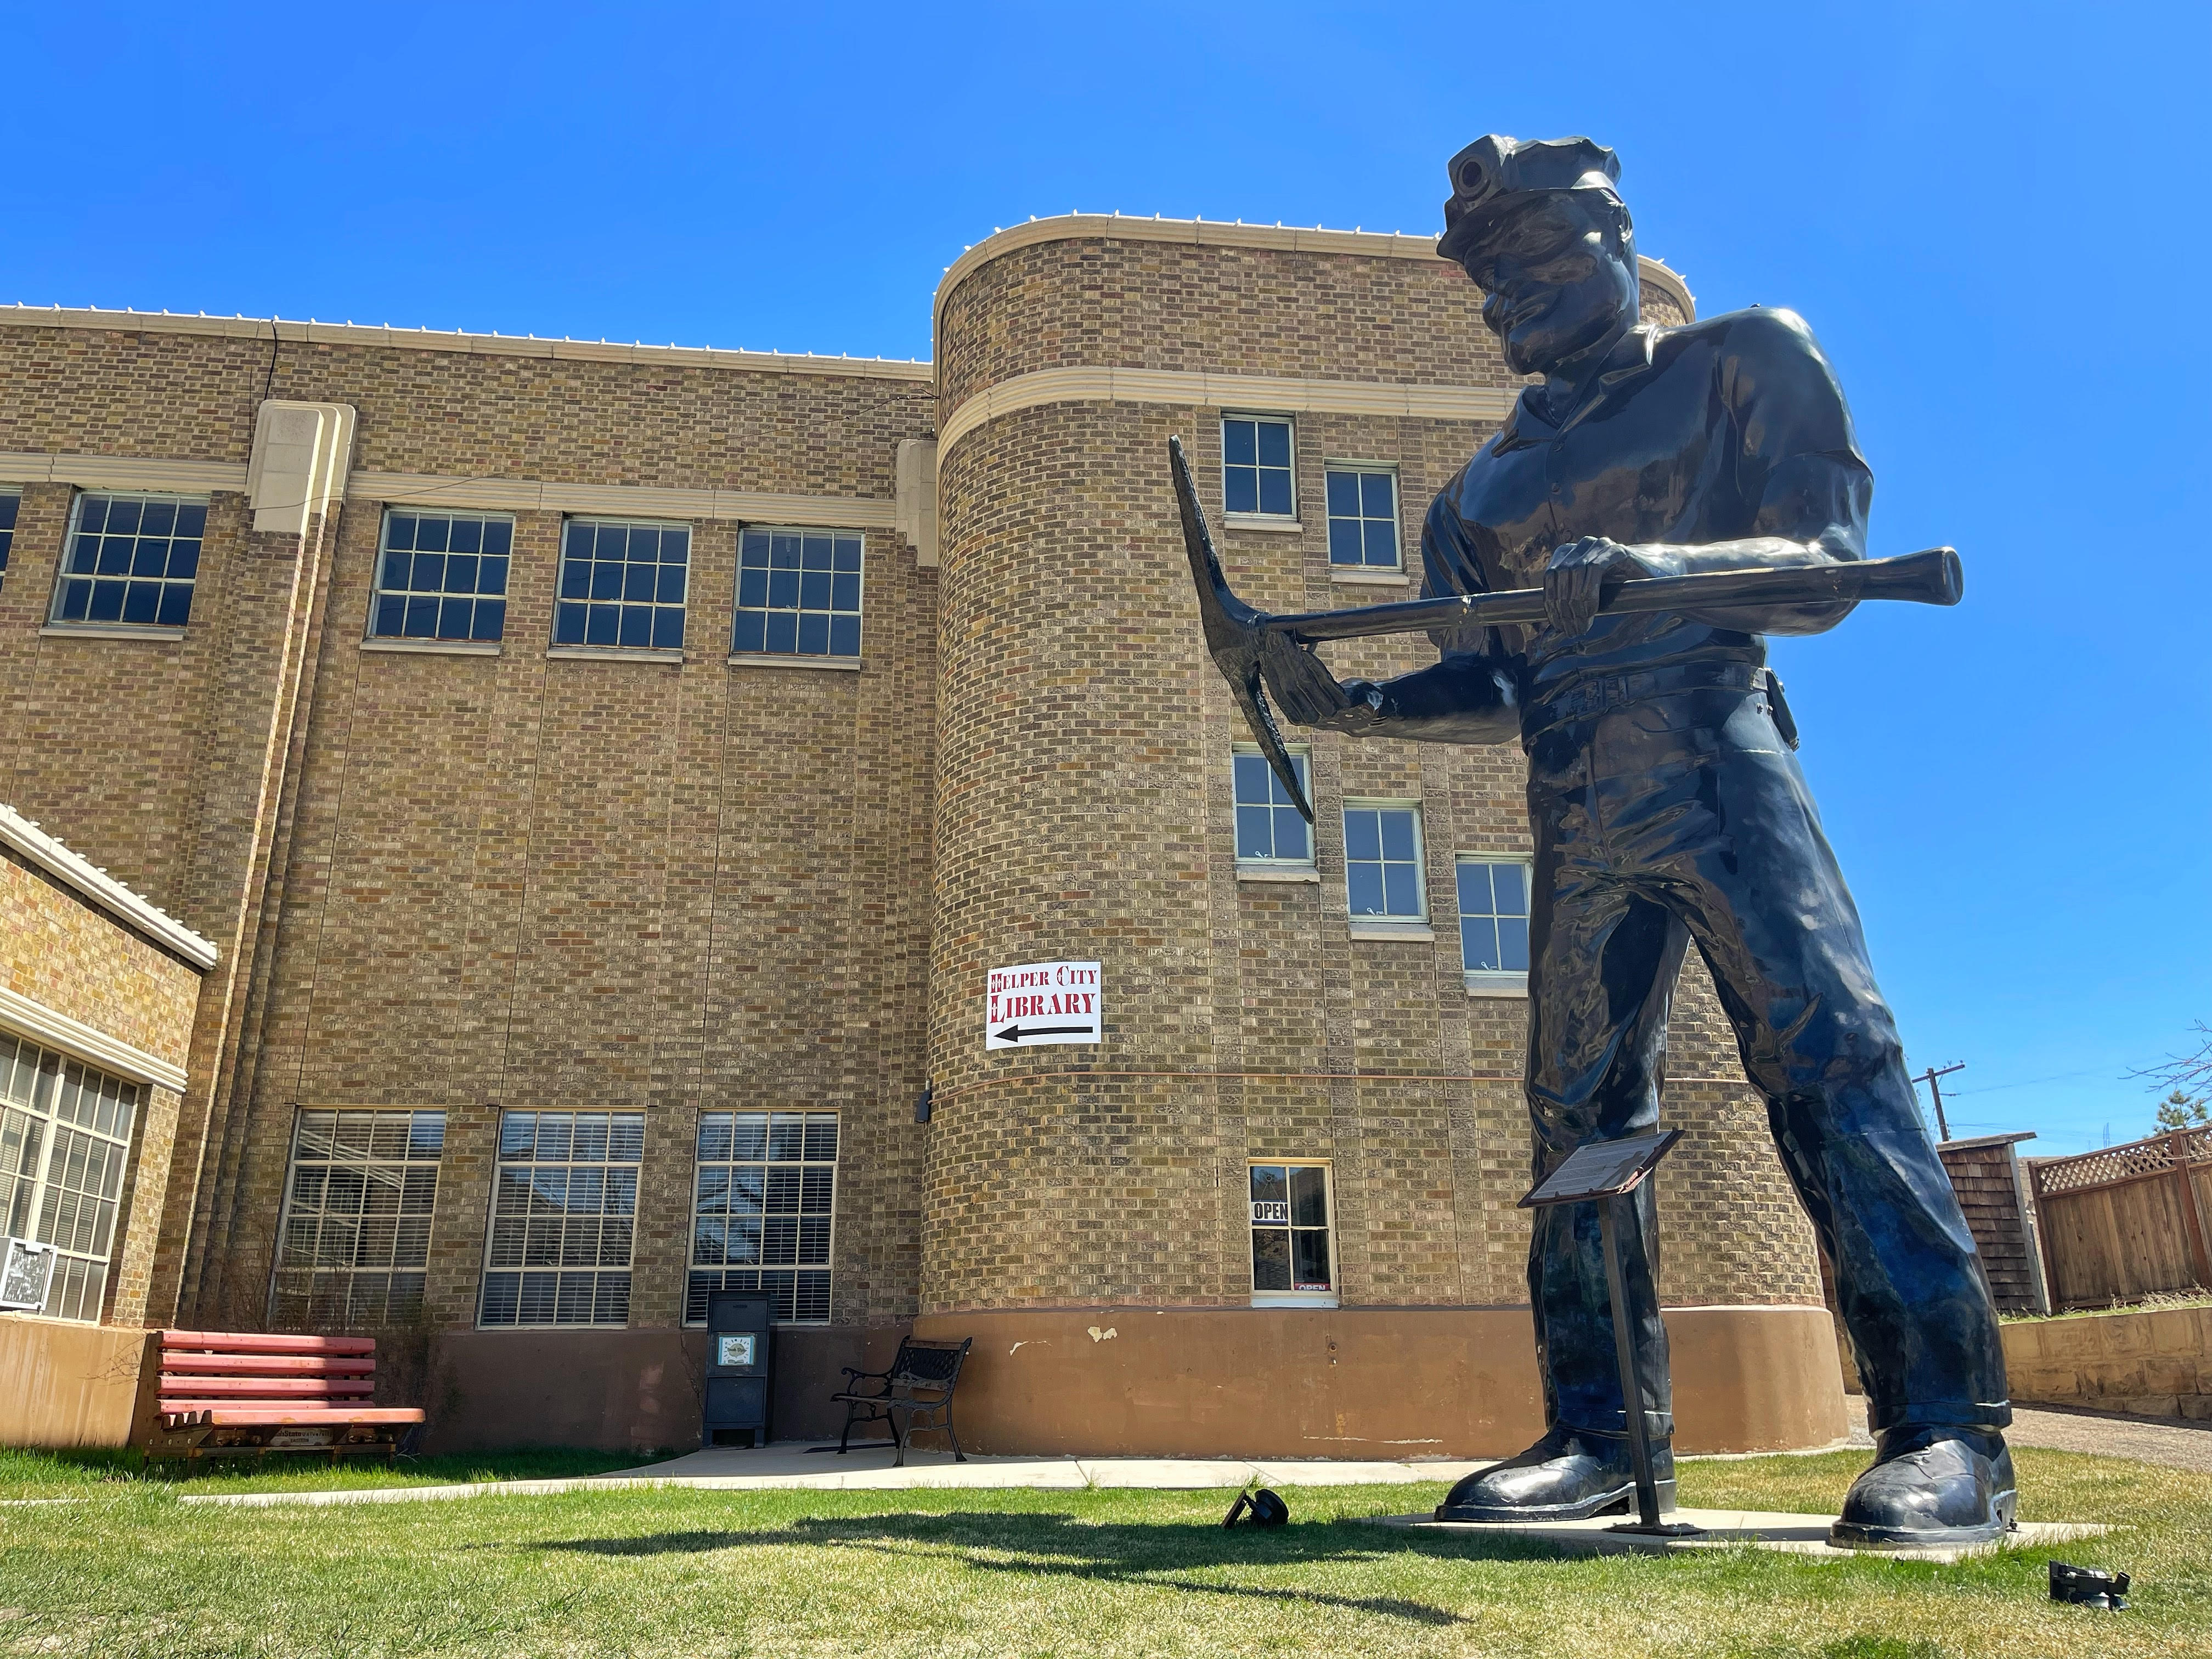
column 1667, row 807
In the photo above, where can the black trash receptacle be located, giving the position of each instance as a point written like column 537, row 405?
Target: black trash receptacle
column 740, row 1369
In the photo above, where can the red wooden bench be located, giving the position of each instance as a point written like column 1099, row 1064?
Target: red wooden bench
column 228, row 1394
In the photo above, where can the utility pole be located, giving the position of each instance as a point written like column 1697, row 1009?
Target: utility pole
column 1935, row 1092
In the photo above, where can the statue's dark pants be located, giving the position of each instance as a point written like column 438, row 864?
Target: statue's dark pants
column 1677, row 817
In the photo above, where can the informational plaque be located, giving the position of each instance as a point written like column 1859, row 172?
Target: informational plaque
column 736, row 1348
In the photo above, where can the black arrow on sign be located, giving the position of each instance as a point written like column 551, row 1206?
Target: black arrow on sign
column 1015, row 1033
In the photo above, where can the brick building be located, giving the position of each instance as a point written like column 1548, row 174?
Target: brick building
column 602, row 776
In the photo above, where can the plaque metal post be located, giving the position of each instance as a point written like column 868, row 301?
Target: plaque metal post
column 1605, row 1173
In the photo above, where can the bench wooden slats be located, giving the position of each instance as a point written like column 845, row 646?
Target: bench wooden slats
column 268, row 1365
column 227, row 1342
column 221, row 1413
column 220, row 1394
column 267, row 1388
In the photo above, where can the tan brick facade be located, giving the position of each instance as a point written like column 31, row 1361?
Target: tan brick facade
column 474, row 879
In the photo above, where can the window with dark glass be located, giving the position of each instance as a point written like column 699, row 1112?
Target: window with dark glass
column 623, row 583
column 130, row 560
column 354, row 1244
column 442, row 576
column 564, row 1216
column 1257, row 466
column 1493, row 919
column 1383, row 862
column 10, row 502
column 798, row 593
column 763, row 1211
column 1289, row 1229
column 1363, row 517
column 1270, row 830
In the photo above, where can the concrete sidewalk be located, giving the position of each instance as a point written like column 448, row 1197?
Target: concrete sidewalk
column 789, row 1467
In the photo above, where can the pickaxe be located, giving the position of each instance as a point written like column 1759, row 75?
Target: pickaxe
column 1235, row 633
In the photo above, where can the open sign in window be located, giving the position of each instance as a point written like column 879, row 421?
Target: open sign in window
column 1289, row 1229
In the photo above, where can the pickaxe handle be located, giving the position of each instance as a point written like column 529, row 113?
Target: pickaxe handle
column 1932, row 577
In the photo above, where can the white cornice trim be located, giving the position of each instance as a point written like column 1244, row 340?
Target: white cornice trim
column 21, row 836
column 122, row 472
column 1208, row 391
column 498, row 345
column 624, row 500
column 40, row 1023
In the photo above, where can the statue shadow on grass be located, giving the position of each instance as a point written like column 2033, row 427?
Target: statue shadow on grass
column 1048, row 1545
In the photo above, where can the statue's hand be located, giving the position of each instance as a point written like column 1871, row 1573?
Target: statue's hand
column 1305, row 693
column 1576, row 579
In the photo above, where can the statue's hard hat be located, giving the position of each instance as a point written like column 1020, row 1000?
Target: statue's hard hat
column 1492, row 170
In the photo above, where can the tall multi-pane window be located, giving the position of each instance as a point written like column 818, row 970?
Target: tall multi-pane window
column 1494, row 923
column 1270, row 830
column 355, row 1239
column 10, row 503
column 763, row 1211
column 130, row 559
column 442, row 576
column 1383, row 860
column 798, row 593
column 564, row 1216
column 1289, row 1229
column 1363, row 517
column 623, row 583
column 65, row 1140
column 1257, row 469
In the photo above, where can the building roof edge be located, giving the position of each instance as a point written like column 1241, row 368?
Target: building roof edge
column 20, row 835
column 502, row 345
column 1211, row 233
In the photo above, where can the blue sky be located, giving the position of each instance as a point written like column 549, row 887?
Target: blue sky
column 1991, row 214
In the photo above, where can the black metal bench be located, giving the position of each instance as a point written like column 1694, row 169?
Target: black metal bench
column 922, row 1368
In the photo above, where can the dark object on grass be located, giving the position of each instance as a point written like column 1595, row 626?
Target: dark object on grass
column 920, row 1383
column 1710, row 473
column 1266, row 1509
column 2088, row 1587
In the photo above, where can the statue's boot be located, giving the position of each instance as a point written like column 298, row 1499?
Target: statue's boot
column 1568, row 1475
column 1930, row 1484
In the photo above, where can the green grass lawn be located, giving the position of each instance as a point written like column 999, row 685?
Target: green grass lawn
column 125, row 1571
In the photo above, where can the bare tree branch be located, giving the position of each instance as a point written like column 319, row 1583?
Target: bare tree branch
column 2191, row 1071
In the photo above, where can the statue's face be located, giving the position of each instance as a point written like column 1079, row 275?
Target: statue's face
column 1554, row 282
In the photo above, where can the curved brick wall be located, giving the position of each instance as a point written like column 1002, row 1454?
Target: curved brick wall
column 1083, row 810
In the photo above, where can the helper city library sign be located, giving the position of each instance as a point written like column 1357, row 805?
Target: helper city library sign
column 1042, row 1002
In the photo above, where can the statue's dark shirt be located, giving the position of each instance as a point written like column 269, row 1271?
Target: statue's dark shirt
column 1727, row 428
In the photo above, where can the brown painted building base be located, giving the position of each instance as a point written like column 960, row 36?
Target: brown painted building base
column 1352, row 1383
column 1357, row 1382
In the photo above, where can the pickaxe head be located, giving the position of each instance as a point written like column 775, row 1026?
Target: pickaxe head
column 1233, row 635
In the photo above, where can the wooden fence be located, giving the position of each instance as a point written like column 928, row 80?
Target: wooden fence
column 2128, row 1221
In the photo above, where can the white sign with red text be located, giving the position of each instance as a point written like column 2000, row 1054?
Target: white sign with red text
column 1041, row 1002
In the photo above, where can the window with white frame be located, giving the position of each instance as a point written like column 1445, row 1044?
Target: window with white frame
column 564, row 1216
column 763, row 1212
column 64, row 1141
column 1493, row 922
column 353, row 1243
column 1270, row 830
column 1289, row 1229
column 1363, row 517
column 10, row 503
column 442, row 576
column 798, row 593
column 623, row 583
column 130, row 560
column 1383, row 862
column 1257, row 472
